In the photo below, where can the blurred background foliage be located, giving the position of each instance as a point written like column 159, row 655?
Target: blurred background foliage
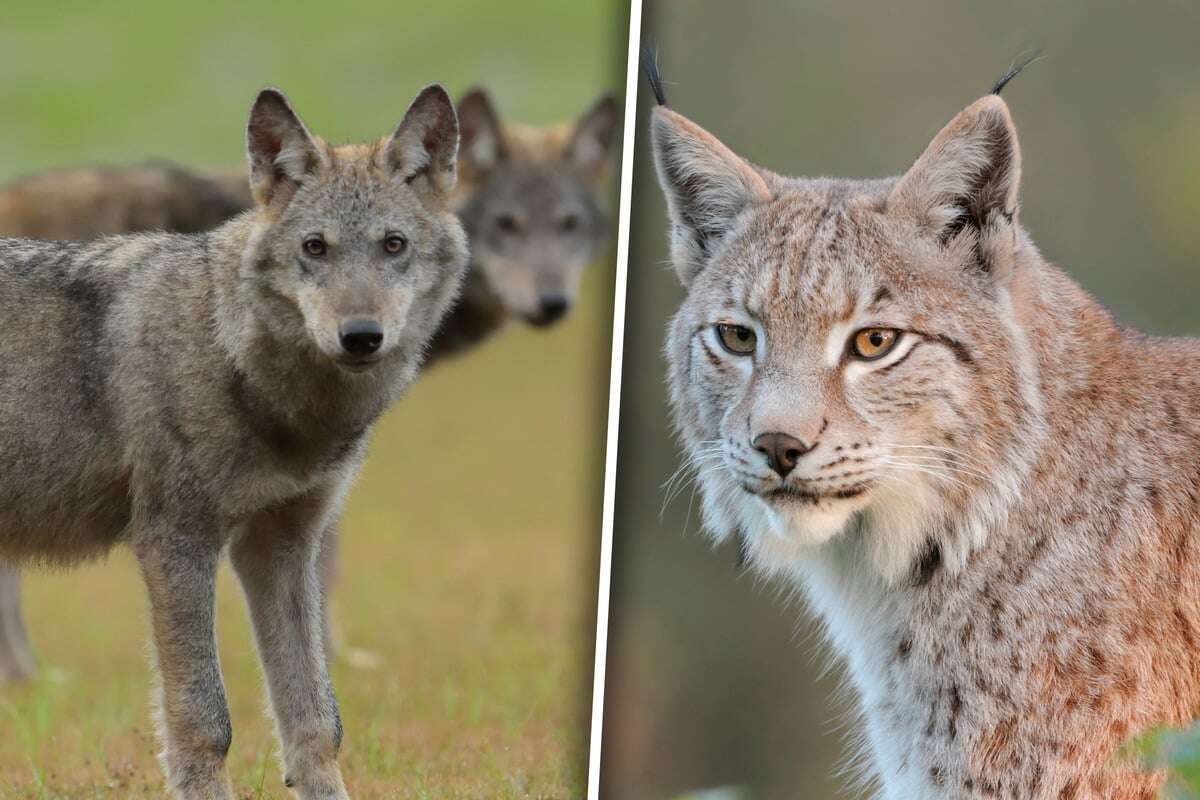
column 715, row 679
column 469, row 547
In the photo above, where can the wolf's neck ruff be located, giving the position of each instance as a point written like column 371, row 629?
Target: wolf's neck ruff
column 985, row 485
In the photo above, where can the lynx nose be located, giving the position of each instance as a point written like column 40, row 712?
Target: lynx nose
column 782, row 451
column 360, row 337
column 552, row 307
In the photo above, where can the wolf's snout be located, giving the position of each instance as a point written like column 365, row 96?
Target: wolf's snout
column 360, row 337
column 782, row 451
column 551, row 308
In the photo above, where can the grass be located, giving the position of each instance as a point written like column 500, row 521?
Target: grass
column 470, row 543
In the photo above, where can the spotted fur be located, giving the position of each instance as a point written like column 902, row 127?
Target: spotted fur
column 996, row 521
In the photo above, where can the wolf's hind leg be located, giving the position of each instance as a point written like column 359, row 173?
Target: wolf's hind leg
column 335, row 644
column 277, row 562
column 16, row 657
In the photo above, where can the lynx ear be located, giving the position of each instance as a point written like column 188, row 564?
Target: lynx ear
column 425, row 144
column 482, row 144
column 706, row 184
column 592, row 139
column 966, row 183
column 280, row 149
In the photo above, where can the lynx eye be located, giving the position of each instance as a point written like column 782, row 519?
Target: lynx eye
column 395, row 244
column 315, row 246
column 507, row 223
column 569, row 223
column 737, row 339
column 870, row 344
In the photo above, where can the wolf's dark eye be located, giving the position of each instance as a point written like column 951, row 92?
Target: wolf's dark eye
column 507, row 223
column 569, row 223
column 870, row 344
column 395, row 244
column 737, row 339
column 315, row 246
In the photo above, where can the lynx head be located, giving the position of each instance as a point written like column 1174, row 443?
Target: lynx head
column 355, row 250
column 847, row 364
column 531, row 201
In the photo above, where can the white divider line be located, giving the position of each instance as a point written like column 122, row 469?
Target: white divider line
column 614, row 397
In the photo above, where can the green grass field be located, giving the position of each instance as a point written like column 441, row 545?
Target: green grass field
column 470, row 544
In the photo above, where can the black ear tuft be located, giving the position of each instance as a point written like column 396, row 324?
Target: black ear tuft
column 650, row 66
column 1015, row 70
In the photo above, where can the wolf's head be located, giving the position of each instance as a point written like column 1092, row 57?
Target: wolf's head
column 850, row 355
column 531, row 200
column 355, row 249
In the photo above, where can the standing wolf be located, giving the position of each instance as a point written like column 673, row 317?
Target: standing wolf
column 532, row 200
column 184, row 394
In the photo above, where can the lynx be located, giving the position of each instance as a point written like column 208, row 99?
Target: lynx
column 985, row 485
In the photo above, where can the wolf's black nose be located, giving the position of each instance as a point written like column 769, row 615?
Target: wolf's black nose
column 782, row 451
column 552, row 306
column 360, row 337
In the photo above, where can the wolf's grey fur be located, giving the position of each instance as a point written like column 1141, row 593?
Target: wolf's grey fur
column 541, row 175
column 995, row 513
column 187, row 394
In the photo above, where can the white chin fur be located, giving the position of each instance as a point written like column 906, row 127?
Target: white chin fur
column 792, row 534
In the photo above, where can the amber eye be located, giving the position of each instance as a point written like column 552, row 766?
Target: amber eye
column 395, row 244
column 870, row 344
column 737, row 339
column 315, row 246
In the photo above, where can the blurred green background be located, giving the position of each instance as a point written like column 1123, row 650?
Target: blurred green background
column 470, row 544
column 713, row 677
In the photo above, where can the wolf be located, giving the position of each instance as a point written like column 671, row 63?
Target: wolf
column 532, row 200
column 985, row 485
column 553, row 179
column 190, row 394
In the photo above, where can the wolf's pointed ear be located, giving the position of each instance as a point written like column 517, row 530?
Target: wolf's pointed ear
column 280, row 149
column 966, row 183
column 706, row 184
column 425, row 144
column 592, row 138
column 481, row 144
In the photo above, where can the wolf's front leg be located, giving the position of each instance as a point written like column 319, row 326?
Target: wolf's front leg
column 180, row 573
column 276, row 562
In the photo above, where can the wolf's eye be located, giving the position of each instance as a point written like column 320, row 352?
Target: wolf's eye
column 737, row 339
column 315, row 246
column 569, row 223
column 395, row 244
column 507, row 223
column 870, row 344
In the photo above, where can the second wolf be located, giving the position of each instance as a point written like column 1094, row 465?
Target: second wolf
column 188, row 395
